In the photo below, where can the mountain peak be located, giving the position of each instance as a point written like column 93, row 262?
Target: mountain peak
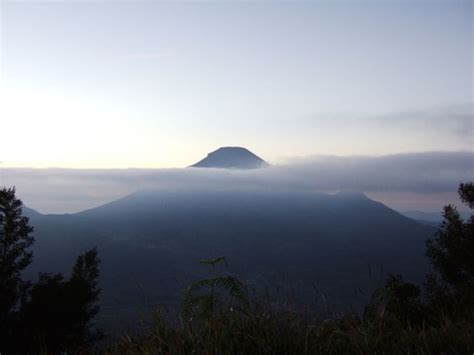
column 231, row 158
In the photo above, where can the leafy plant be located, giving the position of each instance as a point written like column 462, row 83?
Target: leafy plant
column 203, row 297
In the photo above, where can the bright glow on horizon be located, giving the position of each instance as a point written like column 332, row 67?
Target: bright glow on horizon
column 76, row 134
column 148, row 85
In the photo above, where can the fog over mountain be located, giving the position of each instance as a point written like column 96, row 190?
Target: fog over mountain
column 430, row 183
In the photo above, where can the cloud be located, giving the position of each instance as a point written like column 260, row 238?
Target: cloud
column 457, row 120
column 70, row 190
column 454, row 123
column 433, row 172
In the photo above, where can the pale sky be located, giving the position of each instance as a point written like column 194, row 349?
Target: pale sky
column 116, row 84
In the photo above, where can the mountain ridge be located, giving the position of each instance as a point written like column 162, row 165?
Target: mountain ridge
column 264, row 234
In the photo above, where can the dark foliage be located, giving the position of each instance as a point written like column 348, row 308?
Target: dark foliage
column 466, row 192
column 265, row 330
column 59, row 312
column 452, row 250
column 52, row 315
column 15, row 256
column 397, row 299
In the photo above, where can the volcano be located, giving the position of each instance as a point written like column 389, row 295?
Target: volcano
column 231, row 158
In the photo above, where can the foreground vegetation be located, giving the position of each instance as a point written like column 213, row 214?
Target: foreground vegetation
column 401, row 318
column 217, row 316
column 55, row 313
column 271, row 332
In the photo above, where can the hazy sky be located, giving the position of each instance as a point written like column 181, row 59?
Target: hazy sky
column 102, row 84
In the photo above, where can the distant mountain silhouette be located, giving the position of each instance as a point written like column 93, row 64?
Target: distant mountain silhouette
column 277, row 238
column 30, row 213
column 231, row 158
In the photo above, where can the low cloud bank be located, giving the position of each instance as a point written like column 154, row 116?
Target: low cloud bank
column 426, row 175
